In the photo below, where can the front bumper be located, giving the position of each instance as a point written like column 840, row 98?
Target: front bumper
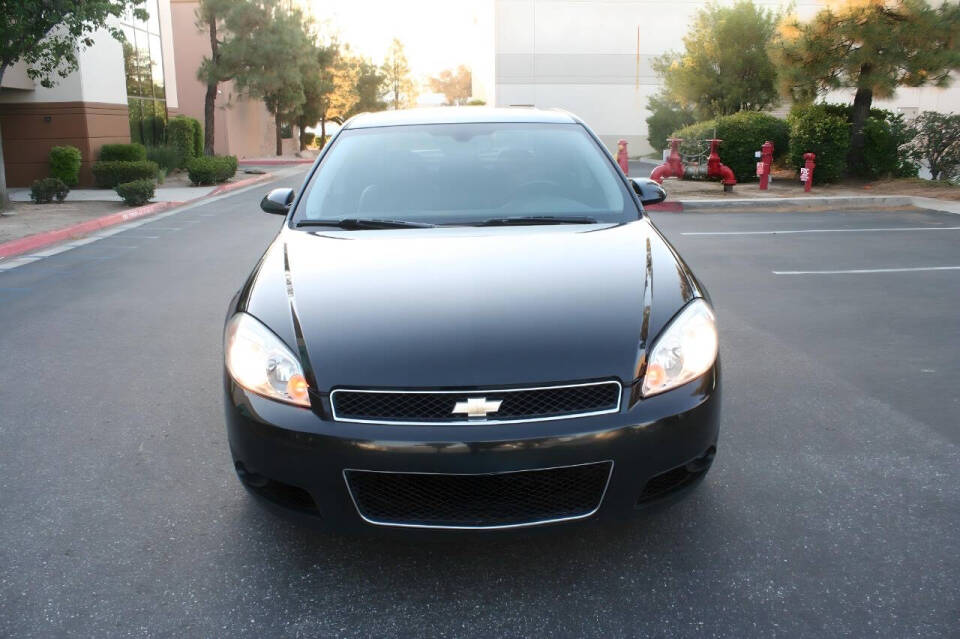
column 295, row 457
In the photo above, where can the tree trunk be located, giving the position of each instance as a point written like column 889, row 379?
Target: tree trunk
column 278, row 125
column 209, row 104
column 861, row 111
column 210, row 99
column 4, row 197
column 323, row 132
column 301, row 134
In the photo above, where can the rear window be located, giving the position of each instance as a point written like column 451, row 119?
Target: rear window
column 463, row 173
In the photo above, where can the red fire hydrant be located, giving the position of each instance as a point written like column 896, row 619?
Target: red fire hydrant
column 763, row 166
column 622, row 159
column 806, row 173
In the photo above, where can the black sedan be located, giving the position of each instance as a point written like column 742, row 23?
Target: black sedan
column 467, row 322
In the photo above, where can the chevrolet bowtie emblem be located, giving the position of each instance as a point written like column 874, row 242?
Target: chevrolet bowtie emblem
column 477, row 406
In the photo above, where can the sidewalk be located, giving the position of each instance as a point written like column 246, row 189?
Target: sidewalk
column 788, row 195
column 27, row 227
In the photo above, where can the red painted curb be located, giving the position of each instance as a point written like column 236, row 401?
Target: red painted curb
column 39, row 240
column 273, row 162
column 670, row 207
column 225, row 188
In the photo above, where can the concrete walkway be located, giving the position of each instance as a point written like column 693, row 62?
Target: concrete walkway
column 163, row 194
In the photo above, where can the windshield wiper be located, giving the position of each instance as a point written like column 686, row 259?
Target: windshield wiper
column 536, row 219
column 359, row 223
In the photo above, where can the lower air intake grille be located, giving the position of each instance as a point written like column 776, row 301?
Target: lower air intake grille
column 520, row 498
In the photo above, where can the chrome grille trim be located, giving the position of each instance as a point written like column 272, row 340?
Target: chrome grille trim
column 473, row 393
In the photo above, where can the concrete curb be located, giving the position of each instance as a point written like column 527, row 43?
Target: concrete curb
column 46, row 238
column 776, row 205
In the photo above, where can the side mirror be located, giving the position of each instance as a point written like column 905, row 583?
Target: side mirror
column 649, row 191
column 277, row 201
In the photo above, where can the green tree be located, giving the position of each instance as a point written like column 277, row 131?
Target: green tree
column 262, row 62
column 724, row 67
column 935, row 139
column 872, row 46
column 368, row 87
column 329, row 89
column 396, row 71
column 47, row 37
column 214, row 16
column 666, row 116
column 456, row 86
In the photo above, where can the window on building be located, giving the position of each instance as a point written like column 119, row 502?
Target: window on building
column 143, row 61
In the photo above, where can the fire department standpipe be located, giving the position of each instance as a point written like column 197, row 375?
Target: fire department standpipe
column 714, row 168
column 806, row 173
column 622, row 159
column 763, row 166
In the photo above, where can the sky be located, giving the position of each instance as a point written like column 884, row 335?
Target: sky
column 437, row 34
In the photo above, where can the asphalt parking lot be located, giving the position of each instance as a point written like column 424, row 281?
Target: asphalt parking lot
column 832, row 509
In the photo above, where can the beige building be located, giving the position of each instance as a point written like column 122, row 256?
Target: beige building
column 124, row 92
column 117, row 94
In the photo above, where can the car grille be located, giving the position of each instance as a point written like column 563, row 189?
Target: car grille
column 497, row 500
column 530, row 404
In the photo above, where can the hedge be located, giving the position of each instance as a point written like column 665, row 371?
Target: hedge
column 136, row 192
column 884, row 133
column 47, row 189
column 186, row 135
column 123, row 152
column 815, row 129
column 211, row 169
column 113, row 172
column 167, row 157
column 743, row 134
column 65, row 164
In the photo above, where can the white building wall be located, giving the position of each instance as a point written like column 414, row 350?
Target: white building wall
column 593, row 58
column 169, row 62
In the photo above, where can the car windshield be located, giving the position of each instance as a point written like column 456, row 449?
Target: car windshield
column 467, row 174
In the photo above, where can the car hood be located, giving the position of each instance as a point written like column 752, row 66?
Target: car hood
column 465, row 306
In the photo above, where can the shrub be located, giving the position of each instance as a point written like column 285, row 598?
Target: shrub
column 884, row 139
column 123, row 152
column 186, row 136
column 167, row 157
column 65, row 164
column 47, row 189
column 211, row 169
column 308, row 138
column 136, row 192
column 879, row 149
column 113, row 172
column 814, row 129
column 934, row 138
column 197, row 129
column 743, row 134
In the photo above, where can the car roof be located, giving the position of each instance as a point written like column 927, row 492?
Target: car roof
column 458, row 115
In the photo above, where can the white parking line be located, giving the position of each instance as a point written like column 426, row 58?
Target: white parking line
column 870, row 270
column 875, row 230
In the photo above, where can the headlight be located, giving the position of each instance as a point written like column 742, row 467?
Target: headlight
column 685, row 350
column 260, row 362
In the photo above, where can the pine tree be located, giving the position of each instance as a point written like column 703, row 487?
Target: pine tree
column 873, row 46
